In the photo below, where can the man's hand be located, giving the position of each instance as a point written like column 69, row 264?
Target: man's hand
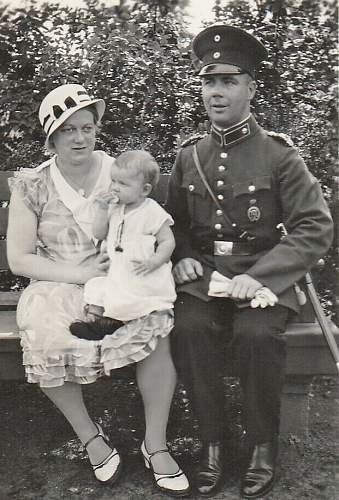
column 243, row 287
column 187, row 270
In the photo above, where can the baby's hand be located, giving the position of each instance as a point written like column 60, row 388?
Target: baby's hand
column 105, row 199
column 141, row 267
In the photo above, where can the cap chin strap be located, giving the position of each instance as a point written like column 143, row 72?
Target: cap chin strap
column 223, row 69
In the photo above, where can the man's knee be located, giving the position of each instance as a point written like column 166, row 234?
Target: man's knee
column 263, row 330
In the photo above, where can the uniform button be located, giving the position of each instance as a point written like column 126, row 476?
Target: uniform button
column 217, row 38
column 219, row 212
column 223, row 155
column 218, row 227
column 234, row 224
column 220, row 197
column 220, row 183
column 191, row 187
column 221, row 168
column 251, row 188
column 216, row 55
column 244, row 130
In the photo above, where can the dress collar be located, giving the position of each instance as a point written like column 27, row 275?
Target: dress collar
column 239, row 132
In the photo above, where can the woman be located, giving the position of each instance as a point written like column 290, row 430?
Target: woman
column 50, row 241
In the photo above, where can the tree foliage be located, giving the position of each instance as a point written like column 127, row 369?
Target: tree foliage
column 132, row 59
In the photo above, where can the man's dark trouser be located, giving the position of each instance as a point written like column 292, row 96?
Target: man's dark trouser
column 254, row 336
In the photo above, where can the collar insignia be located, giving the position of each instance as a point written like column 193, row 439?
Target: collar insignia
column 232, row 135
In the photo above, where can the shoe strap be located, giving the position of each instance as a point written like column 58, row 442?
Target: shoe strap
column 98, row 434
column 106, row 460
column 151, row 455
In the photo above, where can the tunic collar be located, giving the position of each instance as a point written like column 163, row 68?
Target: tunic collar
column 237, row 133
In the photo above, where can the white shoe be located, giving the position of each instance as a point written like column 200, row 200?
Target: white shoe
column 175, row 484
column 108, row 470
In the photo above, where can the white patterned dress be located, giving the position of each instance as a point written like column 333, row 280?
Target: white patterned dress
column 51, row 354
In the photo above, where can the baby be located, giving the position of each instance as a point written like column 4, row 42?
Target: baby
column 136, row 231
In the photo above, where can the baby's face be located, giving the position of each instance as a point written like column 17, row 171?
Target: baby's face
column 128, row 185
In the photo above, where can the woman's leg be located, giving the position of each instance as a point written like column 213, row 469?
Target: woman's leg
column 69, row 400
column 156, row 379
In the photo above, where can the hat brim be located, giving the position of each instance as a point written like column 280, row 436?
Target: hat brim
column 100, row 107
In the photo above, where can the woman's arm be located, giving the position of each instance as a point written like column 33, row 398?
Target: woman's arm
column 21, row 250
column 163, row 252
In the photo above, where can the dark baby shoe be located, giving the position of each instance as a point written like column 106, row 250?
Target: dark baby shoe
column 95, row 329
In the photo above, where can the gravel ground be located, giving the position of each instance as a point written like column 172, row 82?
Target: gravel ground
column 41, row 460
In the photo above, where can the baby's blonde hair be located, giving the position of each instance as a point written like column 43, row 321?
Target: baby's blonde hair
column 142, row 162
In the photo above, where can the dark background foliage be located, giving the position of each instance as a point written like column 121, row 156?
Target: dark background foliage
column 136, row 56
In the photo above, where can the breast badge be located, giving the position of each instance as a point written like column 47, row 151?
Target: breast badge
column 253, row 214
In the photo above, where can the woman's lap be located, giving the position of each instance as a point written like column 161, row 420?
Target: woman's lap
column 52, row 355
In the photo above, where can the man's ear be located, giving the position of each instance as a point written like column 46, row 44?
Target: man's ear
column 147, row 188
column 252, row 87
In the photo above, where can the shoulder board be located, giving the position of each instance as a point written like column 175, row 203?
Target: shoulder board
column 192, row 140
column 282, row 138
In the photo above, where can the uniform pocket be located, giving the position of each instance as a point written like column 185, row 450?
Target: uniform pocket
column 255, row 203
column 198, row 199
column 193, row 184
column 252, row 186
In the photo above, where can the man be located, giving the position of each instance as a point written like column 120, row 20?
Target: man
column 230, row 254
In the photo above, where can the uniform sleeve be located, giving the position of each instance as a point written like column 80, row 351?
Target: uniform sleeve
column 30, row 186
column 176, row 205
column 307, row 219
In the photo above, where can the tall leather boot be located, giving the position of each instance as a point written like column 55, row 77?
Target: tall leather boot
column 260, row 475
column 210, row 473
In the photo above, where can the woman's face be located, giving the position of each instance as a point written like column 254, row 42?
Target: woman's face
column 74, row 140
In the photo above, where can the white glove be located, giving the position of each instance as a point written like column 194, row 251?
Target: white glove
column 218, row 285
column 264, row 297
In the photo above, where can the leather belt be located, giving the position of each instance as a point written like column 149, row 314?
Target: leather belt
column 232, row 248
column 225, row 248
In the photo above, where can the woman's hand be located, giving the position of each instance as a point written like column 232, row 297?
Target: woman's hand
column 99, row 266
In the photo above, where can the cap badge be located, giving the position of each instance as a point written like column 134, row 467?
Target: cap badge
column 253, row 214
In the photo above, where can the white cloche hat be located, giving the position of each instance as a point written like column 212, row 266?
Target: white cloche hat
column 62, row 102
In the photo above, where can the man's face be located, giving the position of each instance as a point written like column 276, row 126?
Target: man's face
column 227, row 98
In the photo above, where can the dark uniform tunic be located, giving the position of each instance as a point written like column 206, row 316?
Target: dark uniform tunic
column 260, row 181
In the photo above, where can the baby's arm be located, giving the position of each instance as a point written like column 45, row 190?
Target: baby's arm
column 101, row 220
column 163, row 252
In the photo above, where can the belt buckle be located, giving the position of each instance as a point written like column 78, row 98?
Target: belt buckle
column 223, row 248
